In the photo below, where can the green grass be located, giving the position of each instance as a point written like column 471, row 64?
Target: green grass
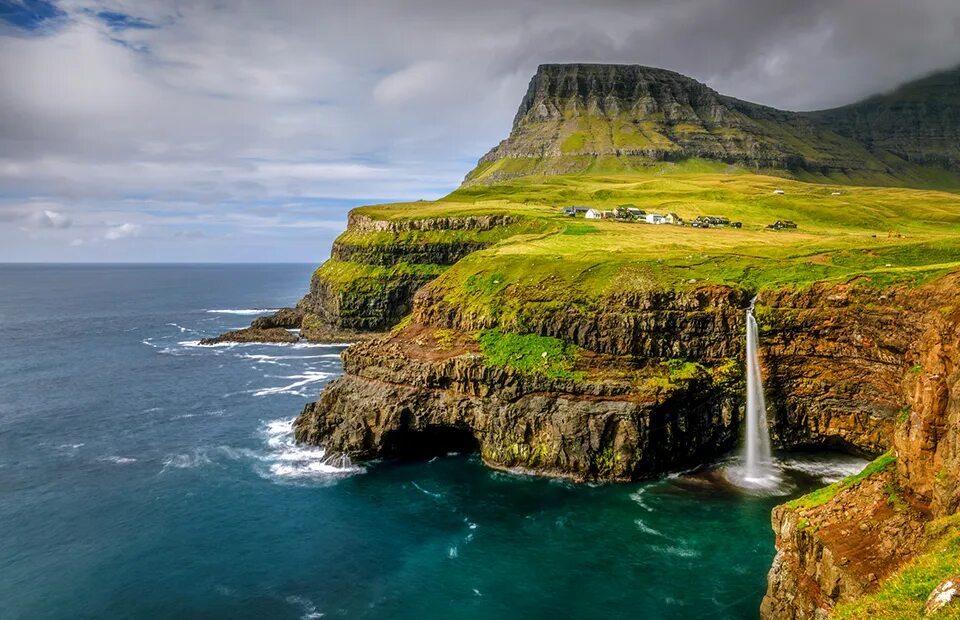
column 358, row 278
column 877, row 236
column 824, row 495
column 529, row 353
column 903, row 595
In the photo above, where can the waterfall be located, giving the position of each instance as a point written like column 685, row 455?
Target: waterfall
column 757, row 458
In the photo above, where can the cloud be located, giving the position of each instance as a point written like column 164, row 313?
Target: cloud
column 189, row 115
column 122, row 231
column 51, row 219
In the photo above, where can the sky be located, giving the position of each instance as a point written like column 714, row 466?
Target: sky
column 211, row 131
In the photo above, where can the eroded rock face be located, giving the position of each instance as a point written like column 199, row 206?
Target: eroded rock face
column 833, row 361
column 644, row 113
column 922, row 338
column 401, row 400
column 839, row 551
column 834, row 358
column 274, row 328
column 928, row 435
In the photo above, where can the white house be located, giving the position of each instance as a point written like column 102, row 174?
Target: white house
column 834, row 193
column 778, row 191
column 672, row 218
column 655, row 218
column 593, row 214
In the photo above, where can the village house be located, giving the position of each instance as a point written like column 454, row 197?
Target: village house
column 778, row 191
column 654, row 218
column 672, row 218
column 575, row 211
column 593, row 214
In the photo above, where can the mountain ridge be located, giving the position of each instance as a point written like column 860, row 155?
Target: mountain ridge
column 578, row 118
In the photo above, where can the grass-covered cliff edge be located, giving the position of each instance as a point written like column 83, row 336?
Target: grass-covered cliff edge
column 611, row 349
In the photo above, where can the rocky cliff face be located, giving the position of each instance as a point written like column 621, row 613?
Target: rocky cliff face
column 918, row 122
column 368, row 284
column 574, row 115
column 833, row 552
column 830, row 354
column 377, row 266
column 584, row 117
column 405, row 396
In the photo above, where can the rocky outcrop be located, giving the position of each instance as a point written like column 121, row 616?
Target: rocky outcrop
column 279, row 327
column 358, row 222
column 689, row 324
column 834, row 553
column 887, row 512
column 927, row 437
column 382, row 277
column 834, row 357
column 365, row 304
column 400, row 398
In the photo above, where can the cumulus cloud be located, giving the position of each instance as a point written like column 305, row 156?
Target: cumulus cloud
column 187, row 116
column 123, row 231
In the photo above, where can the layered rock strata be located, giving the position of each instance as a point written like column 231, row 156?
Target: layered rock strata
column 879, row 525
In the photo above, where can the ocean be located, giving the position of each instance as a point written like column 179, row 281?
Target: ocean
column 143, row 476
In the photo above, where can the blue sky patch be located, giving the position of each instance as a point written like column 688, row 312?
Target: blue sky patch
column 28, row 14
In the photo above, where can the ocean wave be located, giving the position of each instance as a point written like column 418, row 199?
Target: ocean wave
column 182, row 329
column 262, row 358
column 680, row 552
column 119, row 460
column 212, row 413
column 297, row 388
column 190, row 460
column 293, row 345
column 306, row 606
column 646, row 529
column 243, row 311
column 288, row 460
column 637, row 497
column 426, row 492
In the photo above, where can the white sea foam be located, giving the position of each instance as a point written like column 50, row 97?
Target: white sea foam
column 288, row 460
column 243, row 311
column 306, row 605
column 827, row 469
column 190, row 460
column 293, row 345
column 426, row 492
column 637, row 496
column 119, row 460
column 182, row 329
column 680, row 552
column 298, row 387
column 646, row 529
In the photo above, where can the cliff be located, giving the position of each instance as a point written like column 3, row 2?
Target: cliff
column 652, row 381
column 609, row 349
column 918, row 122
column 578, row 118
column 874, row 547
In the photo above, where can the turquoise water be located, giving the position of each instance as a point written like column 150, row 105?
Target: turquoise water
column 142, row 476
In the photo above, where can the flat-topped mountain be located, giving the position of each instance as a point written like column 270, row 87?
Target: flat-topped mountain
column 614, row 118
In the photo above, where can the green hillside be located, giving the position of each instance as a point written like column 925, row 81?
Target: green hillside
column 879, row 235
column 602, row 119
